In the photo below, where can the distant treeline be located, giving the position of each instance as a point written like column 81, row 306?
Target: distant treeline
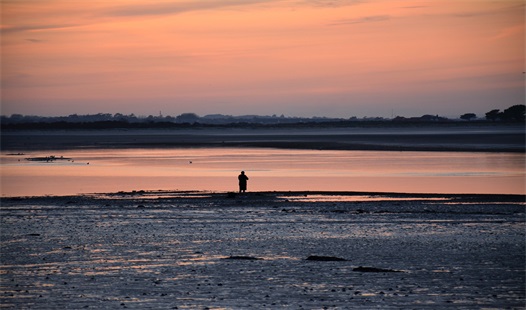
column 169, row 125
column 185, row 118
column 191, row 120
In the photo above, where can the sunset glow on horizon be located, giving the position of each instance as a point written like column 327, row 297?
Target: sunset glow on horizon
column 294, row 57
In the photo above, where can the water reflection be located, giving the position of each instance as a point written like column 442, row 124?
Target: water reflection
column 216, row 169
column 357, row 198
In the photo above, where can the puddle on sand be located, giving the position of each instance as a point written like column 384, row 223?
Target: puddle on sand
column 359, row 198
column 153, row 195
column 487, row 203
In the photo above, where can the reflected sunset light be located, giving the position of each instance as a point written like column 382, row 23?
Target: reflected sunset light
column 216, row 169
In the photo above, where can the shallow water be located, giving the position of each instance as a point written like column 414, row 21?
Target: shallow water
column 216, row 169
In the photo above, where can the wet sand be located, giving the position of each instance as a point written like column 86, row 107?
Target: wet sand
column 465, row 138
column 191, row 250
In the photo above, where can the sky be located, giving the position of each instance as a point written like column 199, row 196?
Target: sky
column 333, row 58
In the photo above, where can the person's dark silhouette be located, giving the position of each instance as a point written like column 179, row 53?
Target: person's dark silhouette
column 242, row 182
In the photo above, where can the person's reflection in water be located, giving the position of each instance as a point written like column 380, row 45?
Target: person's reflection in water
column 242, row 182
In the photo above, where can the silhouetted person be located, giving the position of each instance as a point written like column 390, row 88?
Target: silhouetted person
column 242, row 182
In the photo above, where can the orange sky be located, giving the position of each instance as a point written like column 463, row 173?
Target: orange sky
column 294, row 57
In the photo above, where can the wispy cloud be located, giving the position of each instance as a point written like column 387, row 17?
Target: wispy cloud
column 361, row 20
column 157, row 8
column 415, row 7
column 333, row 3
column 35, row 40
column 517, row 30
column 147, row 8
column 489, row 12
column 177, row 8
column 9, row 29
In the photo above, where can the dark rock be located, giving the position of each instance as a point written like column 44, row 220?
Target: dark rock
column 325, row 258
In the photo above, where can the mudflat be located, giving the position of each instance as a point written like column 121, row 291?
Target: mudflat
column 485, row 138
column 263, row 250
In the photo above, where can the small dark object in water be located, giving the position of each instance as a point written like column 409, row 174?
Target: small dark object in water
column 34, row 235
column 141, row 207
column 48, row 158
column 373, row 269
column 243, row 257
column 325, row 258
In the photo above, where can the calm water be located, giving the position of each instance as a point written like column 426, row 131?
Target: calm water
column 216, row 169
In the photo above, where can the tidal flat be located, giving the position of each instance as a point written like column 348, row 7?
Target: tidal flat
column 218, row 250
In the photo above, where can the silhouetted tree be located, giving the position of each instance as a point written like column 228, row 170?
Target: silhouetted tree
column 493, row 115
column 515, row 113
column 468, row 116
column 187, row 118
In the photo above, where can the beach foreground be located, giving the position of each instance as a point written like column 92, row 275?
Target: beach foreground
column 272, row 250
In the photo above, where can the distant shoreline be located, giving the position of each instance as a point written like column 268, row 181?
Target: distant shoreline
column 480, row 138
column 251, row 124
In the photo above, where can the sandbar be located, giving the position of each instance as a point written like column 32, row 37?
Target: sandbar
column 482, row 138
